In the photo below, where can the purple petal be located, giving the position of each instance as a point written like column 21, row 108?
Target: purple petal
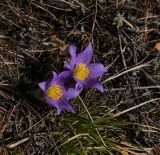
column 51, row 81
column 79, row 83
column 71, row 93
column 59, row 79
column 72, row 51
column 54, row 74
column 96, row 70
column 67, row 65
column 42, row 85
column 64, row 104
column 53, row 104
column 60, row 105
column 94, row 84
column 64, row 76
column 86, row 55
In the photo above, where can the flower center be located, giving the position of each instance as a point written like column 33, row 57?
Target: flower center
column 81, row 71
column 54, row 92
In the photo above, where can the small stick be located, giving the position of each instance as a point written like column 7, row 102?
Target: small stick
column 124, row 72
column 122, row 50
column 54, row 17
column 137, row 88
column 17, row 143
column 135, row 107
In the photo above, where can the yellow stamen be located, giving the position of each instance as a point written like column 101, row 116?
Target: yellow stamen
column 54, row 92
column 81, row 71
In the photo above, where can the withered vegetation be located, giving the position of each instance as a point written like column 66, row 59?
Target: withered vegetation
column 34, row 40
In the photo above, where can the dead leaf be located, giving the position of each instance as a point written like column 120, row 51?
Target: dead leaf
column 157, row 47
column 57, row 42
column 124, row 153
column 64, row 50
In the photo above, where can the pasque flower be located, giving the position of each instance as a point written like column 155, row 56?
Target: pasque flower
column 55, row 93
column 82, row 71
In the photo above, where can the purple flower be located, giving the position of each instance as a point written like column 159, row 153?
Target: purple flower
column 83, row 72
column 55, row 94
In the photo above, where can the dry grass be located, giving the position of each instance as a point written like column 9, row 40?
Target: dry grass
column 34, row 39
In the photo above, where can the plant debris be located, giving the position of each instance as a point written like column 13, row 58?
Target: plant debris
column 34, row 40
